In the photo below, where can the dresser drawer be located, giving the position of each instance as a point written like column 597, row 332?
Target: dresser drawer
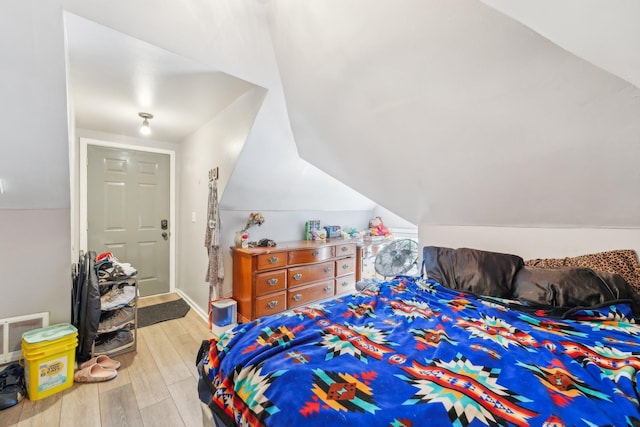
column 297, row 276
column 270, row 304
column 345, row 266
column 270, row 281
column 345, row 284
column 272, row 260
column 304, row 295
column 311, row 255
column 348, row 249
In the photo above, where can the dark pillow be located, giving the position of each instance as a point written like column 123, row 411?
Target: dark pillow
column 472, row 270
column 569, row 287
column 621, row 261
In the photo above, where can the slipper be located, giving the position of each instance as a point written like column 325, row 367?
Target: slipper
column 94, row 374
column 102, row 360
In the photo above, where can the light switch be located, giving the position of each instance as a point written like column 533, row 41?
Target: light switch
column 193, row 217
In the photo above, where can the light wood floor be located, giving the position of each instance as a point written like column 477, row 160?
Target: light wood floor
column 155, row 386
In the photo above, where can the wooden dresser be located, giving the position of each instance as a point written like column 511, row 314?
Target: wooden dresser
column 271, row 280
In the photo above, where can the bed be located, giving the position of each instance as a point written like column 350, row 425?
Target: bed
column 480, row 339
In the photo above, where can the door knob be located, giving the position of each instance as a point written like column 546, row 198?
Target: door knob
column 165, row 235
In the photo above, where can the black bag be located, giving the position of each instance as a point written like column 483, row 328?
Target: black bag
column 86, row 305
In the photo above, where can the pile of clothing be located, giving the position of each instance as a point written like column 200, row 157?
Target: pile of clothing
column 110, row 269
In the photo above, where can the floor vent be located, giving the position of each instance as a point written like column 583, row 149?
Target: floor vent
column 11, row 330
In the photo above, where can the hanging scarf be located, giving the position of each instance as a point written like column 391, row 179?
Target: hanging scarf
column 215, row 269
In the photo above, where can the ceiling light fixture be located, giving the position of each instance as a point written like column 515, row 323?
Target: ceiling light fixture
column 145, row 129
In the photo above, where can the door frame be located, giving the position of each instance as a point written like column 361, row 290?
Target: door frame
column 84, row 143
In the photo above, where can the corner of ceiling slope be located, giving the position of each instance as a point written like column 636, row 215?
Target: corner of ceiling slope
column 605, row 34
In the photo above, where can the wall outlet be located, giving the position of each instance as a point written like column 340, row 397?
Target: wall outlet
column 193, row 217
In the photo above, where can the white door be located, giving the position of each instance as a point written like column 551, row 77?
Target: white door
column 128, row 211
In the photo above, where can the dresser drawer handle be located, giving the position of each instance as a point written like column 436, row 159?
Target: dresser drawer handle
column 328, row 269
column 345, row 266
column 344, row 284
column 272, row 304
column 273, row 259
column 297, row 297
column 272, row 282
column 344, row 249
column 327, row 288
column 297, row 276
column 315, row 253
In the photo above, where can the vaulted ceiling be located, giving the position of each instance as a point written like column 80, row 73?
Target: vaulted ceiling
column 489, row 112
column 459, row 114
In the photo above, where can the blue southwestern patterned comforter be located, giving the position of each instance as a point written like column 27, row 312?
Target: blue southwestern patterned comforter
column 411, row 352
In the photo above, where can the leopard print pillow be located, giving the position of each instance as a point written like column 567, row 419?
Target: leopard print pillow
column 623, row 262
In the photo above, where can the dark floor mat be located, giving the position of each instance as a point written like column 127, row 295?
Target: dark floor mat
column 162, row 312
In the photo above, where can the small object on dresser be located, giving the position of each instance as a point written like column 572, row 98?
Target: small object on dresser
column 319, row 234
column 377, row 228
column 333, row 231
column 311, row 227
column 240, row 238
column 266, row 243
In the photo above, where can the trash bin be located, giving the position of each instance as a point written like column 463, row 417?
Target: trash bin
column 49, row 359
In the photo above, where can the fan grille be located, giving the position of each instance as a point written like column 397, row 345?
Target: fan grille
column 397, row 257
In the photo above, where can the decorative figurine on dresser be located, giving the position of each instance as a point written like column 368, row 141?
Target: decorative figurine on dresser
column 118, row 303
column 268, row 280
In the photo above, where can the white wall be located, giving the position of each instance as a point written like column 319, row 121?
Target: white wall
column 393, row 221
column 532, row 243
column 35, row 272
column 34, row 149
column 217, row 144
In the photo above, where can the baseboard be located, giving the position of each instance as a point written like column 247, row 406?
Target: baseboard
column 194, row 306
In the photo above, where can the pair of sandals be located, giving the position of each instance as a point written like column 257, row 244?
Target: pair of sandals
column 12, row 387
column 98, row 369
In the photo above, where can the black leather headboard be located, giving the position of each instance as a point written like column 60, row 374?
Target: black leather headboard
column 472, row 270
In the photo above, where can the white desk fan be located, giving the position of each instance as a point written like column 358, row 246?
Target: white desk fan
column 397, row 257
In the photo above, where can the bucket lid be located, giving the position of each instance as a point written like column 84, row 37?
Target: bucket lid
column 49, row 333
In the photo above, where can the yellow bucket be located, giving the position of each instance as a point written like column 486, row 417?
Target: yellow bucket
column 49, row 356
